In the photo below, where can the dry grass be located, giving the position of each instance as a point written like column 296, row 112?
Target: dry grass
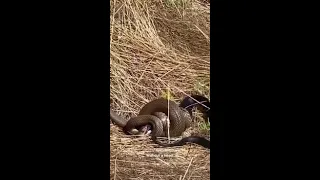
column 157, row 45
column 137, row 158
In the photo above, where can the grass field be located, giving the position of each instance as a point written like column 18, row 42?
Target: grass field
column 157, row 47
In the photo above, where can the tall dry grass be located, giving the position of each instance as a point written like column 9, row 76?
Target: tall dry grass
column 156, row 45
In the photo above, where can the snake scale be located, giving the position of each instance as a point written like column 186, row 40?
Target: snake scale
column 154, row 113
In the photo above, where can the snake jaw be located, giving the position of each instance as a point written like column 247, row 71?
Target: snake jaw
column 148, row 133
column 145, row 130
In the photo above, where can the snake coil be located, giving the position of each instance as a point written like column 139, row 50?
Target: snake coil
column 180, row 120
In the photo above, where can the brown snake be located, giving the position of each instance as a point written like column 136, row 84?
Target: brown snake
column 180, row 120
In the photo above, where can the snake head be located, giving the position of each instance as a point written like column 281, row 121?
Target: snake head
column 145, row 130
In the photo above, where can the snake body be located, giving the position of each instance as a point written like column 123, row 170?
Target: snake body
column 129, row 128
column 188, row 103
column 150, row 114
column 191, row 139
column 153, row 114
column 179, row 119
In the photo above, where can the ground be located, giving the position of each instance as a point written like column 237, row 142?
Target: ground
column 157, row 48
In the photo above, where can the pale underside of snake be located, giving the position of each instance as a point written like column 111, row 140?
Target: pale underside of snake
column 155, row 114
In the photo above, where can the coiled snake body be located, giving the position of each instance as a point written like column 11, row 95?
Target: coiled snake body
column 154, row 113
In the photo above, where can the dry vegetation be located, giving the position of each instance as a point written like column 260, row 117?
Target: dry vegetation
column 156, row 46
